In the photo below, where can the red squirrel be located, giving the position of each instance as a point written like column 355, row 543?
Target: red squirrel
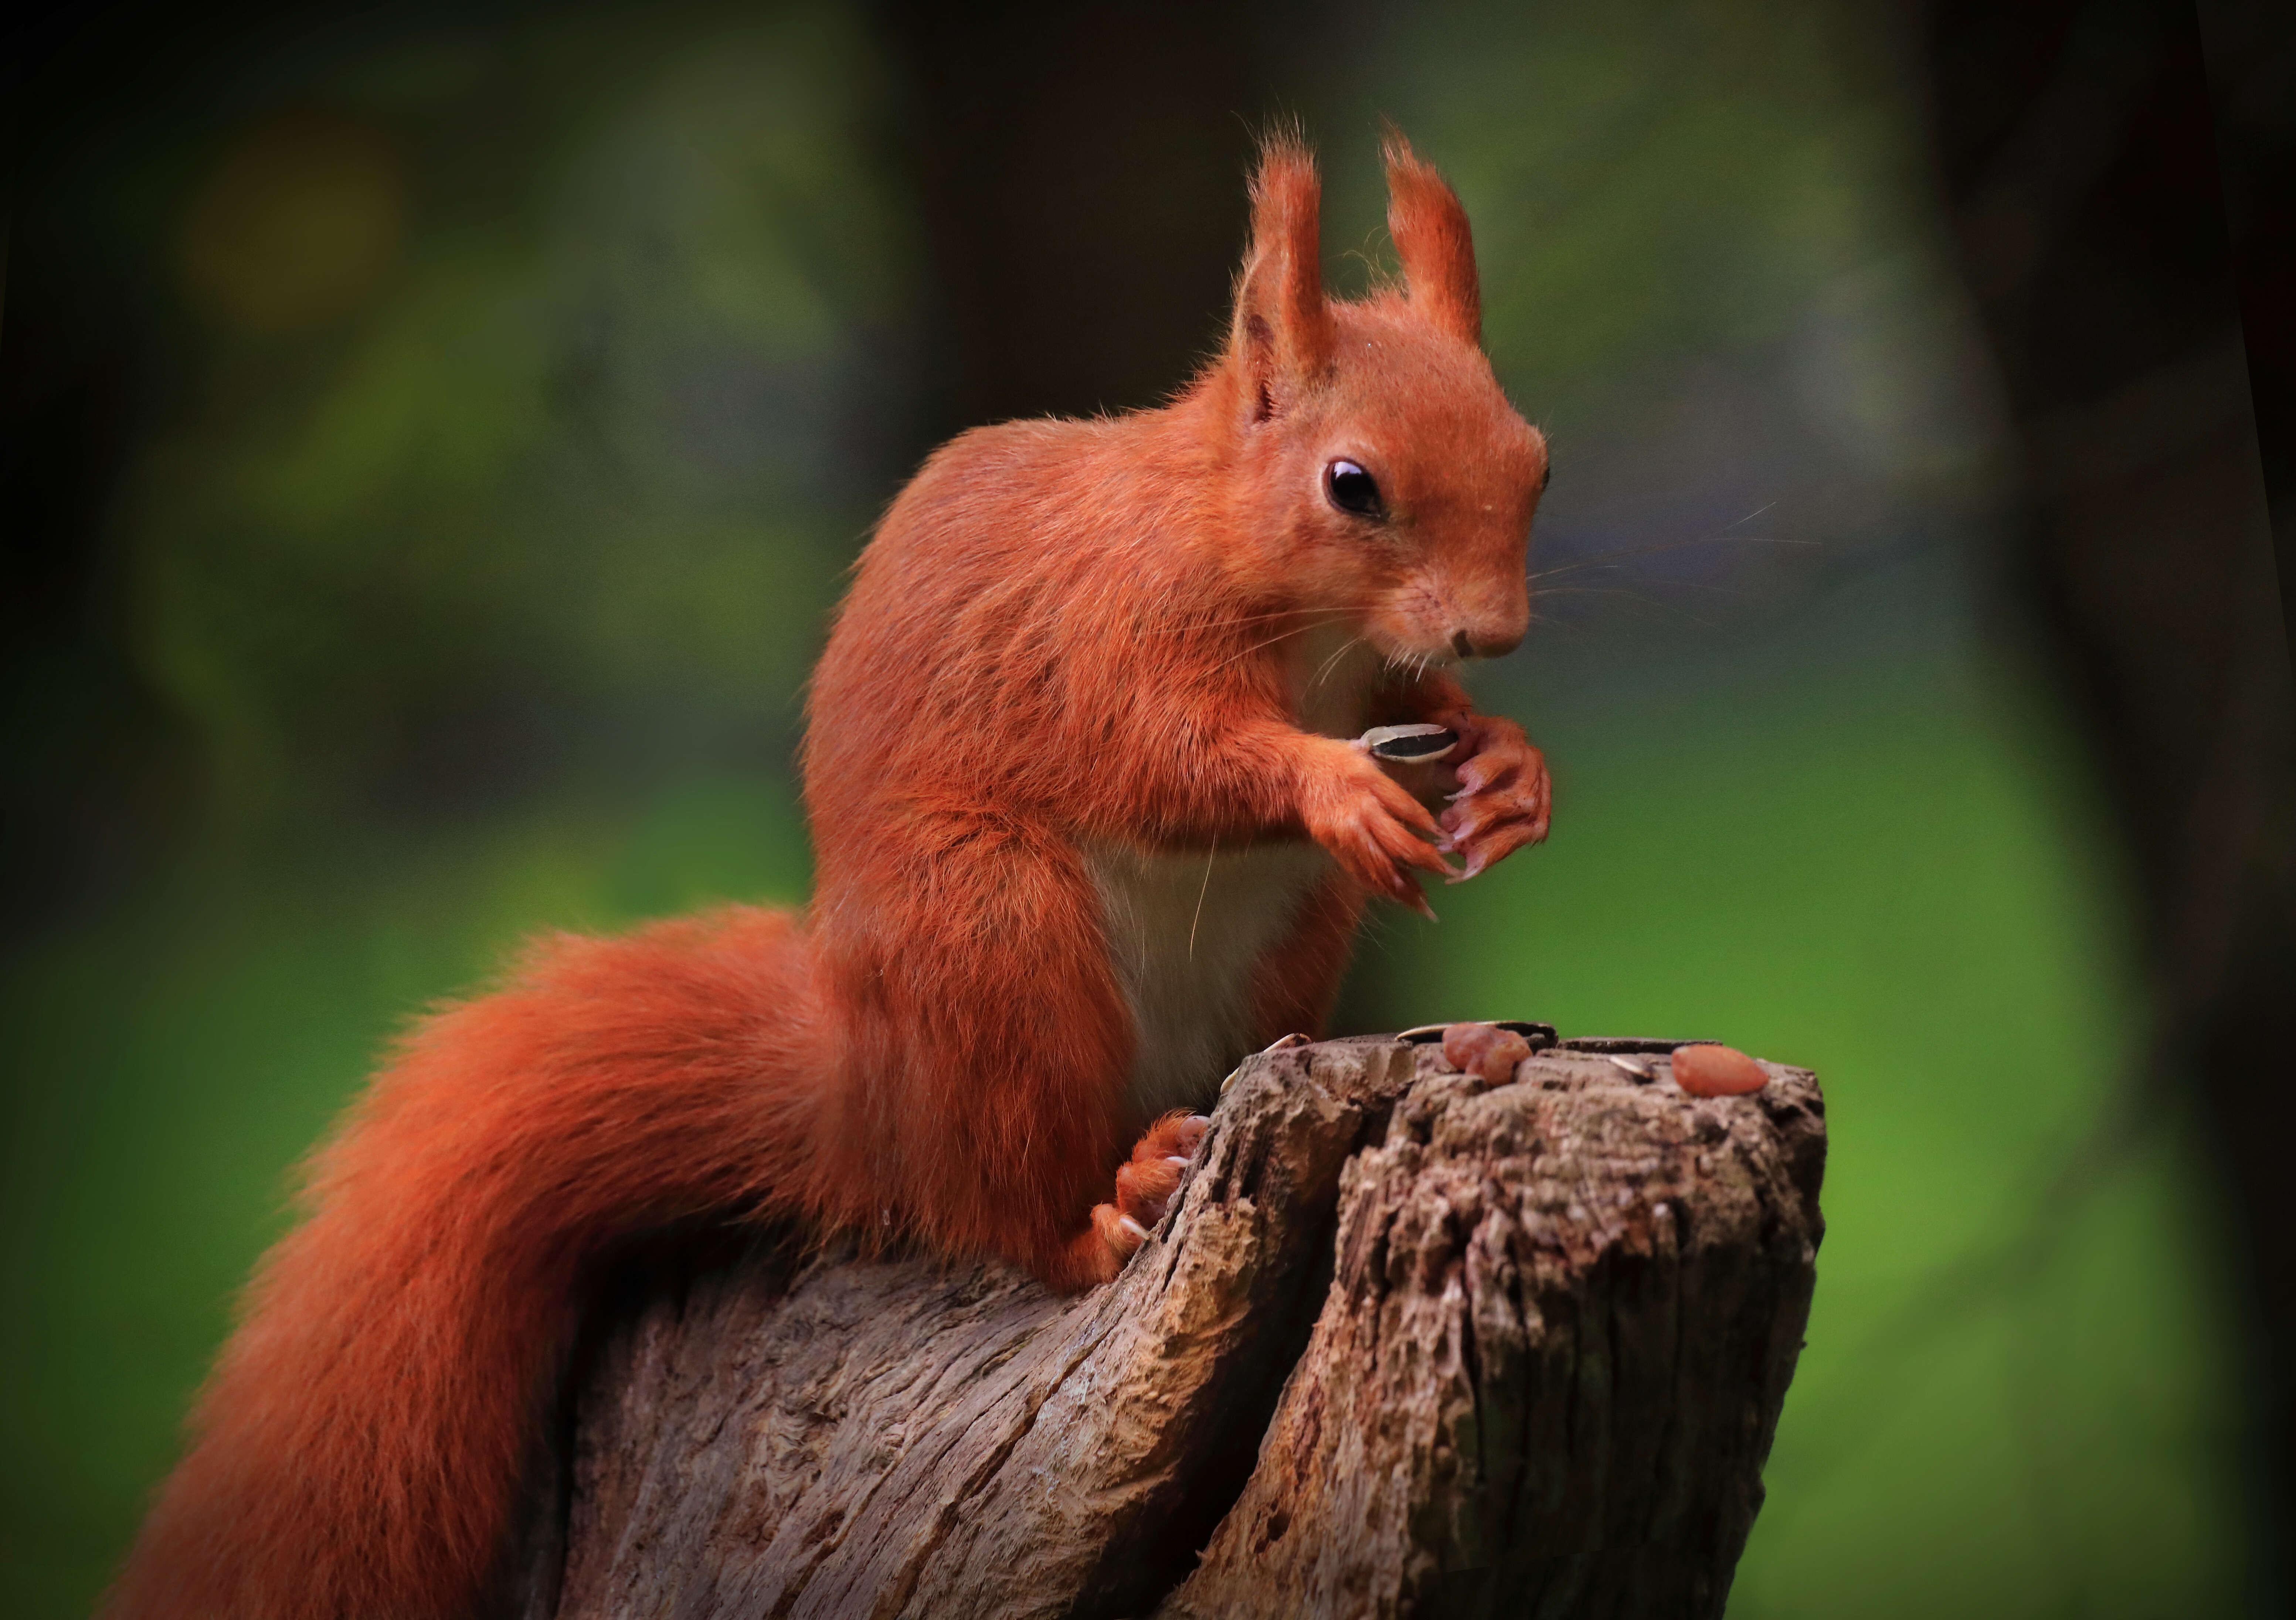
column 1089, row 828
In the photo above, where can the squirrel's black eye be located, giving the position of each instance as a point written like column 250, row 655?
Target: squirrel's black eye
column 1352, row 489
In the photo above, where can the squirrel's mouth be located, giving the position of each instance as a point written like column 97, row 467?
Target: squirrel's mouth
column 1416, row 628
column 1416, row 654
column 1440, row 640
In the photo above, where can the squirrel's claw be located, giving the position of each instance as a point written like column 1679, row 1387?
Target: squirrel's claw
column 1380, row 834
column 1145, row 1184
column 1505, row 797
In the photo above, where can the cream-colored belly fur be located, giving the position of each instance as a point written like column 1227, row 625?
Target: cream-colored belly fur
column 1186, row 932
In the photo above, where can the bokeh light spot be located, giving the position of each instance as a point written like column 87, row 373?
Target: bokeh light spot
column 299, row 224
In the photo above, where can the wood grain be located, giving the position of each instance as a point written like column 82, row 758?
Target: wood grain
column 1407, row 1343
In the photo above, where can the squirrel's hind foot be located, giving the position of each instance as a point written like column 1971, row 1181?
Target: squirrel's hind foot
column 1145, row 1184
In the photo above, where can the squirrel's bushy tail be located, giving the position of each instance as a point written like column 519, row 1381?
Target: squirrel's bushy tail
column 359, row 1451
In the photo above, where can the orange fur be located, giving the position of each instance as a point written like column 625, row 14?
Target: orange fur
column 1073, row 650
column 1432, row 234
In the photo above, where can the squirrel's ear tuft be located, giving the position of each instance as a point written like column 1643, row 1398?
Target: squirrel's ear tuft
column 1283, row 335
column 1430, row 232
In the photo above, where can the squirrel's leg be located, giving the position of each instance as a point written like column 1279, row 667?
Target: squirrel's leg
column 988, row 1050
column 1295, row 984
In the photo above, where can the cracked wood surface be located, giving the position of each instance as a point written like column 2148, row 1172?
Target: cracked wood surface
column 1407, row 1343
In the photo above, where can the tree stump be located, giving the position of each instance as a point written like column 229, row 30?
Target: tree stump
column 1407, row 1343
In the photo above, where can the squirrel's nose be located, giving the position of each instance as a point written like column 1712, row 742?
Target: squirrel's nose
column 1484, row 646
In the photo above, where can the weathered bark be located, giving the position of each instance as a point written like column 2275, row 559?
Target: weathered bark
column 1557, row 1320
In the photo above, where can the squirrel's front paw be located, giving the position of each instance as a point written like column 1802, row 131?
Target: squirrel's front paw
column 1377, row 831
column 1505, row 797
column 1145, row 1182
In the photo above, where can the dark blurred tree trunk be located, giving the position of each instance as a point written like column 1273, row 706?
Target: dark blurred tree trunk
column 2080, row 156
column 1079, row 175
column 2250, row 50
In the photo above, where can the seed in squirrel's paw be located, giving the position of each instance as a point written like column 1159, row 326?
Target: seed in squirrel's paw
column 1708, row 1070
column 1408, row 744
column 1485, row 1049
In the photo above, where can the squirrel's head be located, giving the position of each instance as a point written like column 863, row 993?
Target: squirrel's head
column 1389, row 478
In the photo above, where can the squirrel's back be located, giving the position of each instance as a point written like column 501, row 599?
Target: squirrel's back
column 1009, row 601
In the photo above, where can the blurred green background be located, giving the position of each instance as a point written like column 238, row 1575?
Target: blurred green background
column 513, row 390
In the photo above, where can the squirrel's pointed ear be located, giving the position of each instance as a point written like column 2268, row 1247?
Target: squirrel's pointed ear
column 1430, row 232
column 1283, row 337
